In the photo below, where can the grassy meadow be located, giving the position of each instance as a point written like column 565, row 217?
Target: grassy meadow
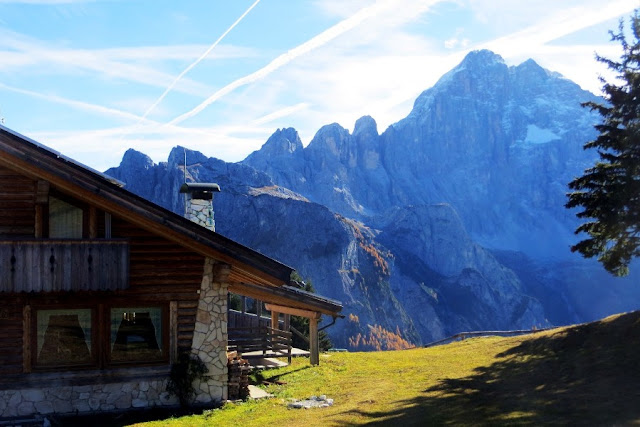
column 582, row 375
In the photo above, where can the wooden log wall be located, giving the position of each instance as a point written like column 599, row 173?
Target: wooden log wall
column 11, row 332
column 162, row 270
column 17, row 205
column 17, row 220
column 159, row 270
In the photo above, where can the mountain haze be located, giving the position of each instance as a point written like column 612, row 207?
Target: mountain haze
column 451, row 219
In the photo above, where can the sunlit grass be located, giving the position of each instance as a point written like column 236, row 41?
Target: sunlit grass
column 582, row 375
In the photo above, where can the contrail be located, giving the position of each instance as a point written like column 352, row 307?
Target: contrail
column 197, row 61
column 76, row 104
column 317, row 41
column 280, row 113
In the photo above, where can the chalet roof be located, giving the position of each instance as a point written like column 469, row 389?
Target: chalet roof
column 248, row 267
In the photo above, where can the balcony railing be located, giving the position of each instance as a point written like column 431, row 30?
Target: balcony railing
column 63, row 265
column 262, row 341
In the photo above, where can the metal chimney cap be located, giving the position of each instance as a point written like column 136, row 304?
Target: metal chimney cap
column 191, row 187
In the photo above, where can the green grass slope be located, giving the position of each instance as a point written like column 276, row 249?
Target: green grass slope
column 582, row 375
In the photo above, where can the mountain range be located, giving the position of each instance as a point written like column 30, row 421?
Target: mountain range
column 451, row 219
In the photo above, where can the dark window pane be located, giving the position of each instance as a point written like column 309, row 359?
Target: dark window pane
column 63, row 337
column 65, row 220
column 136, row 334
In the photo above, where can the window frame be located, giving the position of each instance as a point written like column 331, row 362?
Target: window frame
column 73, row 202
column 94, row 363
column 164, row 347
column 100, row 335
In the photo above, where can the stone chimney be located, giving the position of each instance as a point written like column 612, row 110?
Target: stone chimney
column 198, row 205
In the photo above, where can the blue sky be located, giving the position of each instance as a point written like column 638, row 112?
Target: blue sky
column 91, row 78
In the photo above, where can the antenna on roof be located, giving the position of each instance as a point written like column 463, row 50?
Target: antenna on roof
column 185, row 179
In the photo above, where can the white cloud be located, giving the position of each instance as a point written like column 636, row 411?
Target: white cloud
column 85, row 106
column 456, row 40
column 198, row 60
column 321, row 39
column 140, row 64
column 284, row 112
column 103, row 148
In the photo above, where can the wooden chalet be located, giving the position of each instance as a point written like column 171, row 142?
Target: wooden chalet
column 100, row 290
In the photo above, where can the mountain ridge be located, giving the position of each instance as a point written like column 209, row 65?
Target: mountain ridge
column 451, row 219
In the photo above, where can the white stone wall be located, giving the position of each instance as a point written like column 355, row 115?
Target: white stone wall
column 200, row 212
column 85, row 398
column 210, row 334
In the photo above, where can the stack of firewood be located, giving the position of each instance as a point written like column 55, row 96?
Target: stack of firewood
column 239, row 369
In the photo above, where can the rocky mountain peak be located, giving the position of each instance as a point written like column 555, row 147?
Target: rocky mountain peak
column 481, row 73
column 530, row 71
column 365, row 125
column 282, row 142
column 176, row 156
column 330, row 139
column 134, row 160
column 481, row 59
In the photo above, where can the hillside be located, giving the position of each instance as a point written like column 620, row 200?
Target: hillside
column 580, row 375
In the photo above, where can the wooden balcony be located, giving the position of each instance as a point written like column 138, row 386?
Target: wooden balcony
column 53, row 265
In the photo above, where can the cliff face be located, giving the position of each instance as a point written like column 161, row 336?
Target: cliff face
column 452, row 219
column 497, row 143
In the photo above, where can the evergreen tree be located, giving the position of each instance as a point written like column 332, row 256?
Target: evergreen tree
column 609, row 192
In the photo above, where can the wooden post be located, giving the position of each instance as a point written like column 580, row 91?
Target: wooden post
column 93, row 222
column 287, row 327
column 287, row 322
column 314, row 343
column 173, row 331
column 107, row 225
column 275, row 316
column 42, row 199
column 26, row 339
column 38, row 231
column 104, row 329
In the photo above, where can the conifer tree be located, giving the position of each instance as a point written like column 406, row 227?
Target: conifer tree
column 609, row 191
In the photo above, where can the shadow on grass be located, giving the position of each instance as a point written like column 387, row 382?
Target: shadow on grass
column 265, row 374
column 586, row 375
column 121, row 419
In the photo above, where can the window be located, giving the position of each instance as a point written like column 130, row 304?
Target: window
column 136, row 334
column 73, row 337
column 63, row 337
column 65, row 220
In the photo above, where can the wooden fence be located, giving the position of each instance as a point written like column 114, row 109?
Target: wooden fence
column 262, row 341
column 464, row 335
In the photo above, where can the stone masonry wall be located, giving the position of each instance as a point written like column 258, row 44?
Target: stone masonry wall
column 201, row 212
column 210, row 334
column 85, row 398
